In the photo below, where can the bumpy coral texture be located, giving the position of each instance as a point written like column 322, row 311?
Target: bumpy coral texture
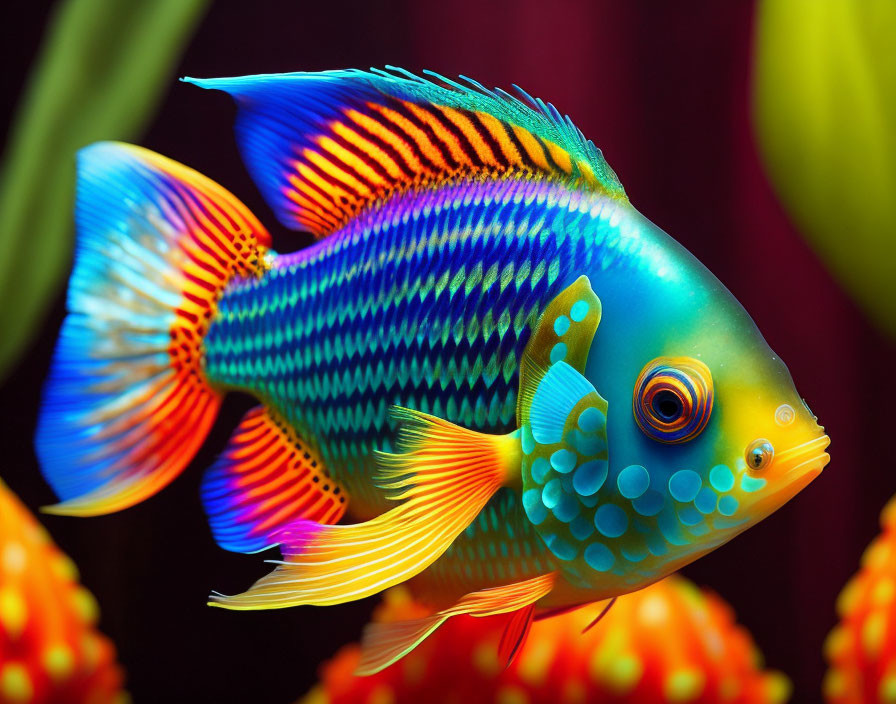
column 670, row 642
column 861, row 650
column 50, row 650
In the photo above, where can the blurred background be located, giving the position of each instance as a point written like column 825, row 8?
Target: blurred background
column 759, row 135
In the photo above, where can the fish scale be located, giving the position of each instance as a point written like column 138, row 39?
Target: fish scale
column 389, row 311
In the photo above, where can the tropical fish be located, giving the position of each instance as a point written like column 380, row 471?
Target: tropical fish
column 861, row 649
column 525, row 394
column 670, row 642
column 50, row 650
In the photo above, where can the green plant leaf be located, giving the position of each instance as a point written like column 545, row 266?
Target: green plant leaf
column 101, row 72
column 825, row 114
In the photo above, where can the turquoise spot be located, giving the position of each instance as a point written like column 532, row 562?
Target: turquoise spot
column 701, row 529
column 566, row 483
column 535, row 510
column 590, row 477
column 540, row 469
column 589, row 501
column 634, row 551
column 561, row 325
column 649, row 504
column 588, row 445
column 558, row 352
column 669, row 526
column 551, row 493
column 563, row 549
column 689, row 516
column 611, row 520
column 721, row 478
column 566, row 509
column 633, row 481
column 750, row 484
column 527, row 441
column 592, row 419
column 582, row 527
column 579, row 310
column 728, row 505
column 656, row 544
column 684, row 485
column 706, row 500
column 563, row 461
column 599, row 557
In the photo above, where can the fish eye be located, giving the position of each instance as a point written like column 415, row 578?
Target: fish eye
column 673, row 397
column 759, row 454
column 667, row 405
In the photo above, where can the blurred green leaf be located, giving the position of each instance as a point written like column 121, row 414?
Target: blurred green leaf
column 102, row 70
column 825, row 113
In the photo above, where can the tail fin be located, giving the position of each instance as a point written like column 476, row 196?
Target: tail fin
column 126, row 405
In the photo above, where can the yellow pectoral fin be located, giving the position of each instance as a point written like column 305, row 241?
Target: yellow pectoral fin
column 444, row 475
column 386, row 643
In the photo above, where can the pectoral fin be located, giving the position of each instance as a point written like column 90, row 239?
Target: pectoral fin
column 385, row 643
column 563, row 424
column 444, row 476
column 564, row 333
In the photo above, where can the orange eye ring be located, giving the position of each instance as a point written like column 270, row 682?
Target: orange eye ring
column 673, row 399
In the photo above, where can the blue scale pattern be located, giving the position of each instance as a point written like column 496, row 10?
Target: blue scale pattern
column 426, row 301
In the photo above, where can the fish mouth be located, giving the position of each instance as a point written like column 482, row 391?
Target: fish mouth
column 808, row 458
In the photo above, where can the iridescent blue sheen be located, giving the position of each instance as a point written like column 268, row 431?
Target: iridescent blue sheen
column 426, row 302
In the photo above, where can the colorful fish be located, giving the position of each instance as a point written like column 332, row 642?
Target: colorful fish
column 670, row 642
column 50, row 650
column 861, row 649
column 433, row 364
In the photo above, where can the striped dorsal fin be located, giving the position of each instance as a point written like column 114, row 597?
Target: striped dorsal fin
column 323, row 146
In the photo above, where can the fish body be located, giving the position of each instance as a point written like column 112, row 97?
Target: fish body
column 427, row 302
column 519, row 392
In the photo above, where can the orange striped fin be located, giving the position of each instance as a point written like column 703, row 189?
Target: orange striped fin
column 126, row 405
column 266, row 479
column 385, row 643
column 444, row 476
column 324, row 146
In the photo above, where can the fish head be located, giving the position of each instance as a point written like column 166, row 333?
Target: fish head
column 725, row 440
column 706, row 433
column 715, row 417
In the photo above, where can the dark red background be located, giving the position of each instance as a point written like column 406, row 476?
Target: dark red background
column 663, row 89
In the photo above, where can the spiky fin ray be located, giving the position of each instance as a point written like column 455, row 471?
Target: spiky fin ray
column 444, row 475
column 386, row 643
column 126, row 406
column 322, row 146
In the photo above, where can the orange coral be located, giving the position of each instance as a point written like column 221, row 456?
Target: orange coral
column 861, row 650
column 49, row 649
column 667, row 643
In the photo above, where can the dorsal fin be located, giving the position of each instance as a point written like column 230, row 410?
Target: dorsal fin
column 323, row 146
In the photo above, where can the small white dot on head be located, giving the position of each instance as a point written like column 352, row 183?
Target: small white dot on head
column 784, row 415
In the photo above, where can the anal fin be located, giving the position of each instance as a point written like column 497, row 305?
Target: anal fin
column 264, row 480
column 386, row 643
column 444, row 476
